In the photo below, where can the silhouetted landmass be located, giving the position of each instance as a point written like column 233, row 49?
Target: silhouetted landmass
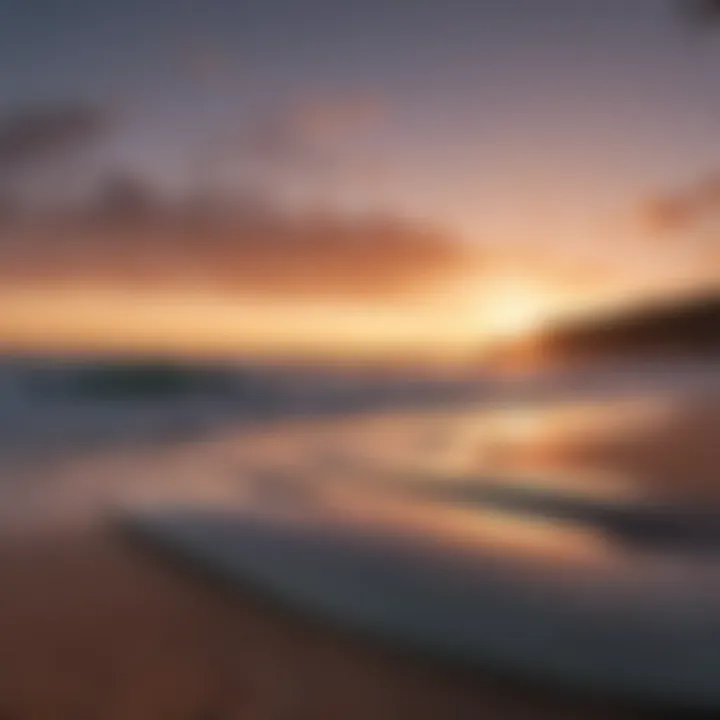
column 689, row 328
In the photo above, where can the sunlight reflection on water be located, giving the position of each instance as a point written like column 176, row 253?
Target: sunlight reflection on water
column 388, row 464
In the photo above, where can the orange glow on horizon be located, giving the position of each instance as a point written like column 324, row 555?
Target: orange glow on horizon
column 452, row 322
column 118, row 320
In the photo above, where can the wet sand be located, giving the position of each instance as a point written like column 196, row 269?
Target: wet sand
column 92, row 627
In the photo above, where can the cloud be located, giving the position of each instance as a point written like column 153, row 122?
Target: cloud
column 313, row 139
column 310, row 132
column 337, row 118
column 128, row 236
column 668, row 214
column 128, row 229
column 703, row 11
column 687, row 208
column 32, row 137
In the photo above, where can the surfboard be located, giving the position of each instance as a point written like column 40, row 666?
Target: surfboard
column 558, row 601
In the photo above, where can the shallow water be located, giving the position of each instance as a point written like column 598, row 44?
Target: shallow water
column 620, row 435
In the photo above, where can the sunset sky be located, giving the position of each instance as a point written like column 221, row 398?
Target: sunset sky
column 533, row 130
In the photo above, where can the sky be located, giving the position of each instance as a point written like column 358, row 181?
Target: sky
column 538, row 124
column 491, row 113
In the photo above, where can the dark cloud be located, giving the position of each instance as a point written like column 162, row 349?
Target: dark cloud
column 30, row 138
column 123, row 197
column 706, row 12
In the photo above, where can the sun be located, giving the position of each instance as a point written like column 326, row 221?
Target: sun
column 513, row 308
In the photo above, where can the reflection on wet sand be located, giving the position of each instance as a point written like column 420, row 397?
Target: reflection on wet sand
column 479, row 531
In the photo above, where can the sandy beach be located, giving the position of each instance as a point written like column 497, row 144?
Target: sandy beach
column 94, row 626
